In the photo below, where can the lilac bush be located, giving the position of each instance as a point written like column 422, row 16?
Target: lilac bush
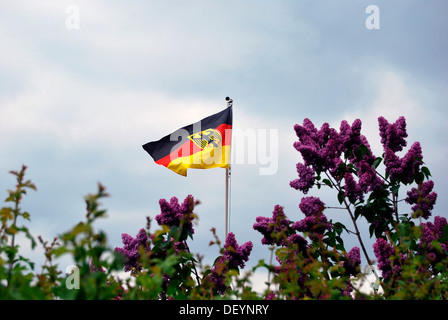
column 178, row 278
column 343, row 161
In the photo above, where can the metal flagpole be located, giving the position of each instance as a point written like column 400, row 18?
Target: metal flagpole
column 227, row 201
column 228, row 170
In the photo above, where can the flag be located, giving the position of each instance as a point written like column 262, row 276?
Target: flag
column 202, row 145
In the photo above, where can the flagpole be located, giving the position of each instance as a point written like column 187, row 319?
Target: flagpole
column 227, row 202
column 228, row 170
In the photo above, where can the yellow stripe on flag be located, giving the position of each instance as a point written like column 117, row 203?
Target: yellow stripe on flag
column 208, row 158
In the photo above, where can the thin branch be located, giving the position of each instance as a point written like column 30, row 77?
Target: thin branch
column 194, row 265
column 357, row 233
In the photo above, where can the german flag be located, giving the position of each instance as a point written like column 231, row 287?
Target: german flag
column 202, row 145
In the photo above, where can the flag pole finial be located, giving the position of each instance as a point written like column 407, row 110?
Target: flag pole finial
column 229, row 102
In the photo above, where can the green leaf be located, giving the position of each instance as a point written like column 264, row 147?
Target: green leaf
column 394, row 237
column 395, row 189
column 6, row 214
column 426, row 171
column 377, row 162
column 341, row 197
column 361, row 152
column 327, row 182
column 371, row 229
column 26, row 216
column 338, row 227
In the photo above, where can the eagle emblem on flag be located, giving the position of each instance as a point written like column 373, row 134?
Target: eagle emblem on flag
column 207, row 139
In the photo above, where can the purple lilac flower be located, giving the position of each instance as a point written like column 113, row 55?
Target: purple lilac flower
column 368, row 179
column 368, row 156
column 393, row 164
column 410, row 162
column 233, row 257
column 235, row 254
column 270, row 296
column 296, row 239
column 352, row 189
column 383, row 252
column 218, row 280
column 273, row 229
column 351, row 139
column 393, row 135
column 131, row 249
column 315, row 221
column 433, row 231
column 316, row 225
column 319, row 148
column 173, row 213
column 423, row 199
column 351, row 265
column 306, row 178
column 311, row 206
column 403, row 169
column 350, row 136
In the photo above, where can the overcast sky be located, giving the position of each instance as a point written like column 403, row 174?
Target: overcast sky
column 77, row 101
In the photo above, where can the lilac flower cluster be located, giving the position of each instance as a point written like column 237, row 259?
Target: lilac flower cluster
column 307, row 176
column 423, row 199
column 298, row 240
column 315, row 225
column 321, row 151
column 273, row 229
column 393, row 134
column 402, row 169
column 173, row 214
column 351, row 135
column 234, row 256
column 434, row 232
column 315, row 222
column 311, row 206
column 132, row 249
column 393, row 140
column 352, row 139
column 368, row 179
column 352, row 262
column 388, row 263
column 279, row 231
column 353, row 190
column 319, row 148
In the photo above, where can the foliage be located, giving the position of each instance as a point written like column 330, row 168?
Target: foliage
column 311, row 261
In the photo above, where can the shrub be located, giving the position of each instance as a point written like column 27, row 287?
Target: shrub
column 311, row 259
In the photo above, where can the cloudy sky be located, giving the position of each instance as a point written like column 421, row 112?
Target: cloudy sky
column 83, row 84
